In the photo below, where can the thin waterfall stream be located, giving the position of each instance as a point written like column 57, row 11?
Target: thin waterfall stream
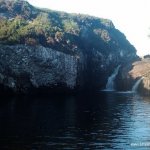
column 110, row 86
column 136, row 85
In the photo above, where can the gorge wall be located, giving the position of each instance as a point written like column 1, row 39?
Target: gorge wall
column 56, row 50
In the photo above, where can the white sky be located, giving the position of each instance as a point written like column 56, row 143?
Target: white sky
column 132, row 17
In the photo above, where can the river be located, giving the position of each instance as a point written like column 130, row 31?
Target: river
column 103, row 120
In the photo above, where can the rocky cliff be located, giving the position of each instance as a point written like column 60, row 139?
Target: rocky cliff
column 130, row 74
column 44, row 48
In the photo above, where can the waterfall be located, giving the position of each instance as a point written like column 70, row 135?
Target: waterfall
column 136, row 85
column 110, row 86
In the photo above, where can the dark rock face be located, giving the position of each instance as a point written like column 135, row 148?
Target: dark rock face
column 12, row 8
column 77, row 53
column 23, row 67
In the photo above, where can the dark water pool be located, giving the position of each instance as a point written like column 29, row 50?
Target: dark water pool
column 105, row 120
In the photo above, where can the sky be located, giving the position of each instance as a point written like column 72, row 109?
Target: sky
column 132, row 17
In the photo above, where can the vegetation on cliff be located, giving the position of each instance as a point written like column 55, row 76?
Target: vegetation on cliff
column 21, row 23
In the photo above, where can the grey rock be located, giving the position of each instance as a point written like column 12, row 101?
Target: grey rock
column 24, row 66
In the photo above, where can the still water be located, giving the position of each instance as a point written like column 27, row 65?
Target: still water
column 105, row 120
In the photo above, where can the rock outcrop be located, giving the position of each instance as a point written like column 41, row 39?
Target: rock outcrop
column 43, row 48
column 130, row 74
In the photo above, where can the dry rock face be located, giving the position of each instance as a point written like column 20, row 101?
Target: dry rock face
column 141, row 69
column 131, row 73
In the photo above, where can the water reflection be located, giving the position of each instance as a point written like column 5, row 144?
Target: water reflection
column 86, row 121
